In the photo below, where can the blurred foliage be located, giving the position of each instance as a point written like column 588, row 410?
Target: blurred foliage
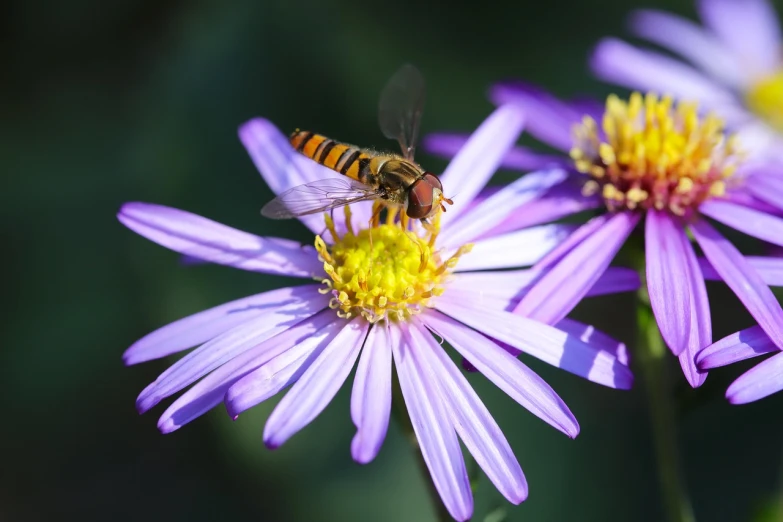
column 140, row 100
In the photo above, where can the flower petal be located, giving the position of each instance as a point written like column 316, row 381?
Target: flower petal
column 209, row 391
column 547, row 118
column 580, row 234
column 768, row 188
column 750, row 221
column 272, row 374
column 506, row 371
column 690, row 40
column 588, row 334
column 736, row 347
column 432, row 425
column 558, row 202
column 667, row 278
column 743, row 280
column 200, row 237
column 761, row 381
column 540, row 340
column 565, row 284
column 479, row 158
column 493, row 210
column 517, row 158
column 749, row 28
column 472, row 421
column 520, row 248
column 228, row 345
column 283, row 168
column 770, row 269
column 317, row 386
column 372, row 394
column 203, row 326
column 618, row 62
column 700, row 334
column 503, row 290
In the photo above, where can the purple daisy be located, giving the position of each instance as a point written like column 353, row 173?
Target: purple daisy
column 735, row 69
column 649, row 159
column 380, row 303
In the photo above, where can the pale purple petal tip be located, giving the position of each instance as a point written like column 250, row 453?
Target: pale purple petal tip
column 200, row 237
column 736, row 347
column 761, row 381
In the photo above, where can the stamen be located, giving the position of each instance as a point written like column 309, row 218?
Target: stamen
column 386, row 271
column 651, row 153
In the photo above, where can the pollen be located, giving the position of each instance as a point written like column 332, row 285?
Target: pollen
column 765, row 98
column 386, row 271
column 652, row 153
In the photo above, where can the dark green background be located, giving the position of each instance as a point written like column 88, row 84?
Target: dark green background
column 105, row 102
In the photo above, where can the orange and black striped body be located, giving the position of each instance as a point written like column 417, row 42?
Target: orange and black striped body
column 346, row 159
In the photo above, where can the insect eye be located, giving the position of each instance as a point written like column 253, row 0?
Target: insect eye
column 419, row 200
column 433, row 180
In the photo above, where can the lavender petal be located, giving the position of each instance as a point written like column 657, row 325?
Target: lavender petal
column 432, row 425
column 479, row 158
column 540, row 340
column 228, row 345
column 200, row 237
column 209, row 391
column 471, row 419
column 506, row 371
column 371, row 397
column 743, row 280
column 494, row 210
column 745, row 344
column 564, row 285
column 750, row 221
column 761, row 381
column 317, row 386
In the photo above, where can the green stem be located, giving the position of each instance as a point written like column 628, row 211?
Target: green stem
column 651, row 357
column 403, row 420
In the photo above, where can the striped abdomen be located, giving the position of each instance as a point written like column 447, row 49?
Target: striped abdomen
column 345, row 159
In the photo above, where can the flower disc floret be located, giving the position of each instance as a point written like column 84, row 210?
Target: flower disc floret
column 652, row 153
column 385, row 271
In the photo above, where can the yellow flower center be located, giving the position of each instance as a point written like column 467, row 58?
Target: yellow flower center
column 385, row 271
column 651, row 153
column 765, row 98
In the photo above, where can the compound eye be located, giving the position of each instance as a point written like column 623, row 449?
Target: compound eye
column 433, row 180
column 419, row 200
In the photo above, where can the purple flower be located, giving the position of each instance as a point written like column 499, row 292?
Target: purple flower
column 654, row 161
column 735, row 65
column 378, row 302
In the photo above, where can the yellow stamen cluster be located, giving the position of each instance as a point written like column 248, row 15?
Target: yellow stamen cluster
column 652, row 153
column 385, row 271
column 765, row 98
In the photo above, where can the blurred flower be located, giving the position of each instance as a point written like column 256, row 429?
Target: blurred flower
column 377, row 302
column 648, row 158
column 736, row 65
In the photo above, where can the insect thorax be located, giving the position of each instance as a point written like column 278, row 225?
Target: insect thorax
column 395, row 175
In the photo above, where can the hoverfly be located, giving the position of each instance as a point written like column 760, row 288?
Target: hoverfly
column 390, row 180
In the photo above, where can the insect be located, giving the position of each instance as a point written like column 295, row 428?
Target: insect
column 390, row 180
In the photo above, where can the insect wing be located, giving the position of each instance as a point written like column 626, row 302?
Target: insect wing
column 400, row 108
column 318, row 196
